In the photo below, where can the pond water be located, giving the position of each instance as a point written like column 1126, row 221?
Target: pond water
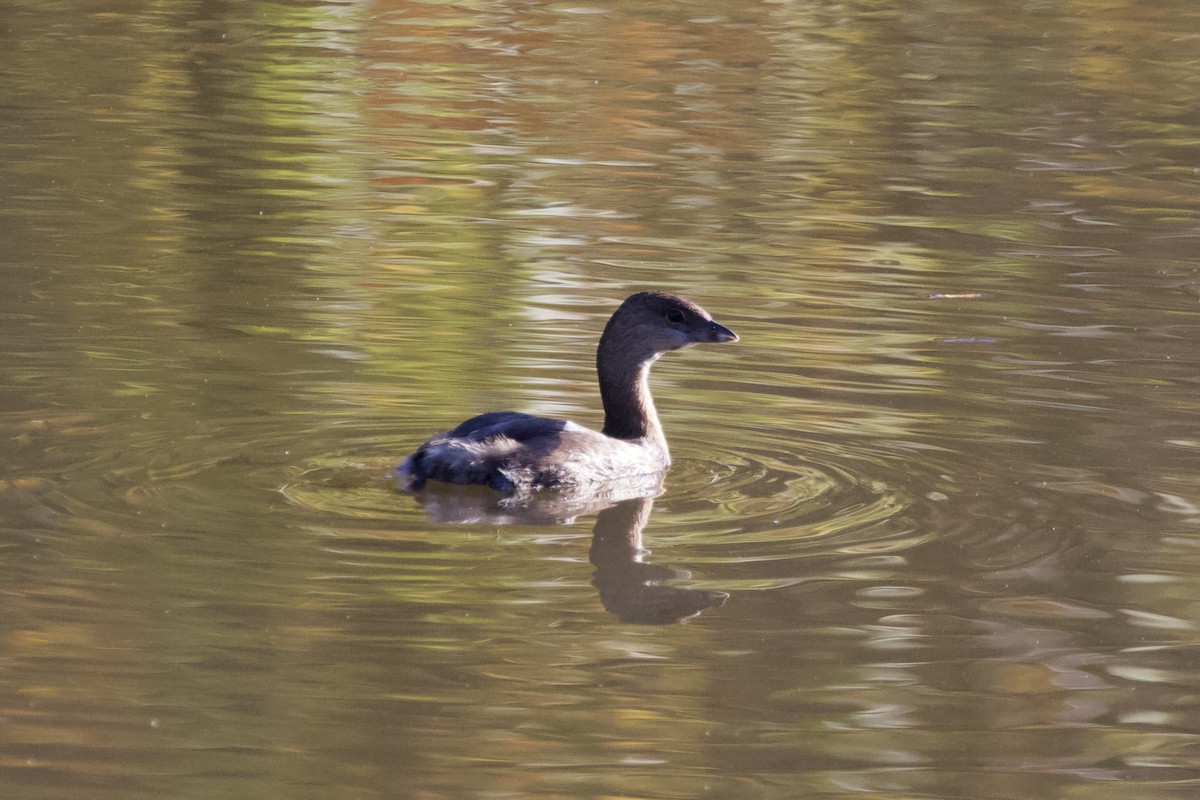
column 933, row 528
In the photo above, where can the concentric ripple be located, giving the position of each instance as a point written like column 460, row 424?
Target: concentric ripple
column 767, row 485
column 346, row 487
column 763, row 495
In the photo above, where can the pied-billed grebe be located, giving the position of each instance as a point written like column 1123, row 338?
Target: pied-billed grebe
column 510, row 451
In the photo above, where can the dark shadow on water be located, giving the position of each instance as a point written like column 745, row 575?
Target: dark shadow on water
column 630, row 589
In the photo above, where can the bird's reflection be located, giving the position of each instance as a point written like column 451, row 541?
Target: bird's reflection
column 466, row 504
column 630, row 589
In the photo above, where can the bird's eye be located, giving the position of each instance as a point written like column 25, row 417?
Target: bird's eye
column 675, row 316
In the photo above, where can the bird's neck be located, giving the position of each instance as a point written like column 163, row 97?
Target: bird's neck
column 629, row 411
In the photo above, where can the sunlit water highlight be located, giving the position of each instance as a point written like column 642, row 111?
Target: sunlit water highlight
column 932, row 525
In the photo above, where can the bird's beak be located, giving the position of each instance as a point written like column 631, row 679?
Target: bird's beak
column 720, row 333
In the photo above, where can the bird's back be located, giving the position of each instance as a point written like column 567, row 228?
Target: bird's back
column 508, row 450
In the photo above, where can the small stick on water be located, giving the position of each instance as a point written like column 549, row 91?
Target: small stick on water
column 959, row 296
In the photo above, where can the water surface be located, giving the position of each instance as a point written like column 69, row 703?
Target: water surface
column 932, row 527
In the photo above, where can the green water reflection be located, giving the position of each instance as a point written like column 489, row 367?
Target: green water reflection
column 937, row 509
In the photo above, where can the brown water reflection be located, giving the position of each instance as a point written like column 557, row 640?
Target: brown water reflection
column 254, row 252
